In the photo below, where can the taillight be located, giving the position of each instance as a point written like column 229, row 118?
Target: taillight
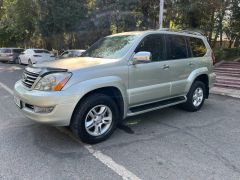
column 213, row 58
column 37, row 55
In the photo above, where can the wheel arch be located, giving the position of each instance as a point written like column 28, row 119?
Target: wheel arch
column 205, row 79
column 199, row 75
column 111, row 91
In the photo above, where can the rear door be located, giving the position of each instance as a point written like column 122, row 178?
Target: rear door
column 180, row 60
column 149, row 81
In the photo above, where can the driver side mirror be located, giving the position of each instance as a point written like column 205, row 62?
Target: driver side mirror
column 142, row 57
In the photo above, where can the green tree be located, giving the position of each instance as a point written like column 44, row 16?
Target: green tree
column 232, row 27
column 77, row 23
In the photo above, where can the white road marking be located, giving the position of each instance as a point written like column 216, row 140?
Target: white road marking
column 6, row 88
column 106, row 160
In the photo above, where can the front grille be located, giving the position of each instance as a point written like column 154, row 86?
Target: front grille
column 28, row 78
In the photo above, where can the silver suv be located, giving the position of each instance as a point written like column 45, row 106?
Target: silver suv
column 119, row 76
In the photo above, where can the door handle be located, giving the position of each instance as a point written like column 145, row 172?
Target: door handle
column 165, row 66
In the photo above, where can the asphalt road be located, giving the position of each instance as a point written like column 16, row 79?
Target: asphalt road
column 165, row 144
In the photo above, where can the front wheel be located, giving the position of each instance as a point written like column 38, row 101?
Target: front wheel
column 95, row 119
column 195, row 97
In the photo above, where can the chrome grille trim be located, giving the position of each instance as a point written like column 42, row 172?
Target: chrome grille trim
column 29, row 78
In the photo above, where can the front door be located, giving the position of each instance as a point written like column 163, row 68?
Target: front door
column 149, row 82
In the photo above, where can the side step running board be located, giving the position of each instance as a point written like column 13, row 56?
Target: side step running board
column 156, row 105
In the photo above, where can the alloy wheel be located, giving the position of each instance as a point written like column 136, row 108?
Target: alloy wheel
column 98, row 120
column 198, row 97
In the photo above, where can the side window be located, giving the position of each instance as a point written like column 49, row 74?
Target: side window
column 197, row 46
column 176, row 47
column 17, row 51
column 154, row 44
column 2, row 50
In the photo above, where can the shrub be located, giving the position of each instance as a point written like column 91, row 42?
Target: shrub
column 226, row 54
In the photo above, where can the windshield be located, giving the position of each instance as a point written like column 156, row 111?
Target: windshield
column 112, row 47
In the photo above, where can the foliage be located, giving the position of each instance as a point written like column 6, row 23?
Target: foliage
column 226, row 53
column 66, row 24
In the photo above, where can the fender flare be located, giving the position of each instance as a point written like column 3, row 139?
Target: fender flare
column 194, row 75
column 85, row 87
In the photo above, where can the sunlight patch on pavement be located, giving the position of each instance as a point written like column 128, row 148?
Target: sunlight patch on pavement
column 11, row 69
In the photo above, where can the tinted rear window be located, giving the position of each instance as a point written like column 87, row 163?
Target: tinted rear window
column 18, row 50
column 41, row 51
column 197, row 46
column 176, row 47
column 5, row 51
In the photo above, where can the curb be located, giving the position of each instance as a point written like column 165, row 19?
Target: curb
column 226, row 92
column 236, row 60
column 219, row 63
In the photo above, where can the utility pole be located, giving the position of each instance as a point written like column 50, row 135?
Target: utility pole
column 161, row 4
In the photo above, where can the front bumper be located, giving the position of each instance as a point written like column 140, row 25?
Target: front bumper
column 63, row 103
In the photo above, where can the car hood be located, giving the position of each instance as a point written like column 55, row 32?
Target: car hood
column 75, row 63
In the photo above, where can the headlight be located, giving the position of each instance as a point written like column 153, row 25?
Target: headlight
column 53, row 82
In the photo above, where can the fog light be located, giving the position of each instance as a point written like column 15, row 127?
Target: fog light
column 43, row 109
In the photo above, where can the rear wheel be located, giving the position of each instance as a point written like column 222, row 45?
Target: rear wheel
column 195, row 97
column 19, row 61
column 15, row 61
column 95, row 119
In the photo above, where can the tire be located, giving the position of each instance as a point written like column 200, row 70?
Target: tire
column 15, row 61
column 19, row 61
column 195, row 97
column 88, row 114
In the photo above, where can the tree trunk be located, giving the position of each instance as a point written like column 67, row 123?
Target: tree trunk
column 211, row 28
column 221, row 27
column 237, row 42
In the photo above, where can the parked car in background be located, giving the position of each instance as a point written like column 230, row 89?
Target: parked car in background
column 10, row 54
column 34, row 56
column 71, row 53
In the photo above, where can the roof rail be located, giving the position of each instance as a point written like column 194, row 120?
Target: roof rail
column 192, row 32
column 165, row 29
column 199, row 33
